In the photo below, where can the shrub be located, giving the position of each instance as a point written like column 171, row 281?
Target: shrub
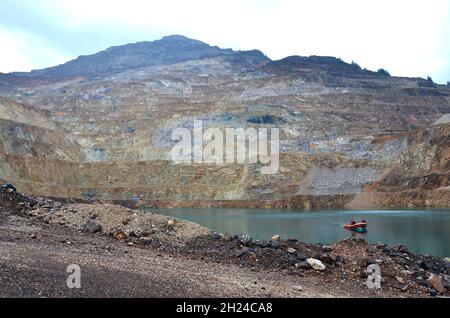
column 383, row 72
column 356, row 64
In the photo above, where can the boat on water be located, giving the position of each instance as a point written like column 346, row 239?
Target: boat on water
column 356, row 226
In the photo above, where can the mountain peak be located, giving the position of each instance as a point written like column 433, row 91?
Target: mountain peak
column 176, row 37
column 168, row 50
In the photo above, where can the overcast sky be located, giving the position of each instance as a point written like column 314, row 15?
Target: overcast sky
column 406, row 37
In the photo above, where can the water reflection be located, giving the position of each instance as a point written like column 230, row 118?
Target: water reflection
column 423, row 231
column 359, row 234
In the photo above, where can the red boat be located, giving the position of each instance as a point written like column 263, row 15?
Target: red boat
column 361, row 225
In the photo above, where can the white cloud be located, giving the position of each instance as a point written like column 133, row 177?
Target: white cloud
column 11, row 56
column 24, row 52
column 408, row 38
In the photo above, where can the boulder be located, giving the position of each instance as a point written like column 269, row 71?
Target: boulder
column 216, row 236
column 329, row 258
column 291, row 250
column 422, row 282
column 244, row 238
column 146, row 240
column 91, row 226
column 275, row 241
column 316, row 264
column 119, row 235
column 297, row 287
column 292, row 260
column 302, row 265
column 426, row 264
column 302, row 256
column 437, row 283
column 275, row 238
column 334, row 258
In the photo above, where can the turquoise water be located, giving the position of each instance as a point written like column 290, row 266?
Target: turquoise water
column 422, row 231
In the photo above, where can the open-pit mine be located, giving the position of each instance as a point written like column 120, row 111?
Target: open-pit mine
column 99, row 128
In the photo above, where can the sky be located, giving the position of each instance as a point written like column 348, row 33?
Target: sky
column 406, row 37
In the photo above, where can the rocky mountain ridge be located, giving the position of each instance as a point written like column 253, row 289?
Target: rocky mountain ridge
column 169, row 50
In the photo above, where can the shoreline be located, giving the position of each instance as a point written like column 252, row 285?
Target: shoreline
column 206, row 217
column 415, row 198
column 285, row 261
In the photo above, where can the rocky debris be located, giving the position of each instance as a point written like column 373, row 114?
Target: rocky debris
column 330, row 258
column 243, row 252
column 244, row 239
column 400, row 279
column 340, row 180
column 91, row 226
column 16, row 202
column 365, row 261
column 114, row 220
column 345, row 263
column 447, row 259
column 316, row 264
column 407, row 272
column 8, row 188
column 227, row 237
column 400, row 248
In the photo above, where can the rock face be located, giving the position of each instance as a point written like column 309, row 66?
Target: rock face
column 99, row 127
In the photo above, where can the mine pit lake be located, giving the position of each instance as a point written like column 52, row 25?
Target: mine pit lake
column 424, row 231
